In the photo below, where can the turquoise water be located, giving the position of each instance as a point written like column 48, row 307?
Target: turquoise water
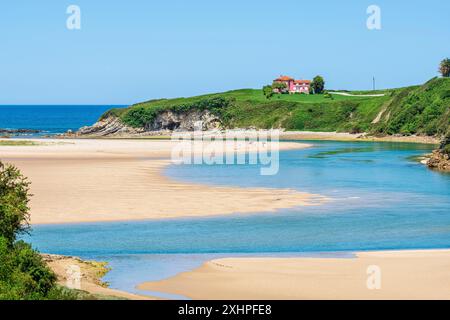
column 380, row 198
column 49, row 119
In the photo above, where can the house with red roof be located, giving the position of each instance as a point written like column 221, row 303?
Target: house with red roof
column 292, row 85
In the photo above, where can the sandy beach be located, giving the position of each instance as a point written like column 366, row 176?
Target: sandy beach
column 91, row 273
column 404, row 275
column 344, row 136
column 111, row 180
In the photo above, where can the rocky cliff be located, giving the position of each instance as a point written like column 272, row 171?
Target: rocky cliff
column 184, row 121
column 164, row 122
column 108, row 126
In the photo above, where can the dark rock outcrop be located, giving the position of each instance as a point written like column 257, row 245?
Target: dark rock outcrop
column 19, row 131
column 164, row 122
column 108, row 126
column 439, row 160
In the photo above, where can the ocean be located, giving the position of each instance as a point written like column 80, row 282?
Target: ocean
column 49, row 120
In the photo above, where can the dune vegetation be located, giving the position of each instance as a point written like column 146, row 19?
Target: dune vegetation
column 15, row 143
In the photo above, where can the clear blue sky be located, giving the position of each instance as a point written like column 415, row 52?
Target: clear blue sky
column 129, row 51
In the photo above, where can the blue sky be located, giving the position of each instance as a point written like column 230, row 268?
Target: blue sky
column 130, row 51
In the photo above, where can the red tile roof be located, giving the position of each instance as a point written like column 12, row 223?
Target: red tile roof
column 302, row 81
column 284, row 78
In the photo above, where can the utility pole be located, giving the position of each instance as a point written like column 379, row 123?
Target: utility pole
column 373, row 83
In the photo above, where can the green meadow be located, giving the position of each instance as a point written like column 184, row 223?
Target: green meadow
column 421, row 109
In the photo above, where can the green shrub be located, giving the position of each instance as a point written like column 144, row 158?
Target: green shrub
column 445, row 94
column 23, row 273
column 445, row 144
column 14, row 198
column 446, row 149
column 268, row 91
column 418, row 110
column 141, row 115
column 356, row 129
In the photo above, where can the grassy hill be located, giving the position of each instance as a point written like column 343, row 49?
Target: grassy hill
column 412, row 110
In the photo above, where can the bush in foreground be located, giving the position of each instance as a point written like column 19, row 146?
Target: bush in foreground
column 23, row 273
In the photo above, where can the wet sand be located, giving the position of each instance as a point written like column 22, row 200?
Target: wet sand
column 404, row 275
column 115, row 180
column 344, row 136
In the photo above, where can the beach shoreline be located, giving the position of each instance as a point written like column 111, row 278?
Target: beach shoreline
column 76, row 181
column 356, row 137
column 406, row 274
column 283, row 134
column 91, row 274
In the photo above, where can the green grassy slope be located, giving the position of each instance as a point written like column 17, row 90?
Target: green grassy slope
column 412, row 110
column 422, row 110
column 315, row 113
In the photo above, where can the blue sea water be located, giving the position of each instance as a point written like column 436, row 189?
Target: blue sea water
column 49, row 120
column 379, row 198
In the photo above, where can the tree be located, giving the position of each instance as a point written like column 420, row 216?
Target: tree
column 444, row 68
column 268, row 91
column 23, row 273
column 318, row 85
column 445, row 144
column 280, row 86
column 14, row 198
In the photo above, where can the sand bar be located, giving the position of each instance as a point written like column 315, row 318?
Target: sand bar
column 91, row 273
column 114, row 180
column 404, row 275
column 357, row 137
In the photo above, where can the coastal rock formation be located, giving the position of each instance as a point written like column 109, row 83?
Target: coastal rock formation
column 108, row 126
column 18, row 131
column 439, row 160
column 165, row 121
column 184, row 121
